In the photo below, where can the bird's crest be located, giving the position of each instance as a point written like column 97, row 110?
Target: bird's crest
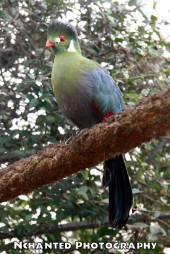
column 57, row 27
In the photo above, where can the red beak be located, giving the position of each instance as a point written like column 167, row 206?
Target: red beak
column 49, row 44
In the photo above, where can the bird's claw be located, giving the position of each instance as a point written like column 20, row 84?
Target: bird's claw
column 78, row 133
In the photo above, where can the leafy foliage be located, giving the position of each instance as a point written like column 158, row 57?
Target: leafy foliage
column 133, row 50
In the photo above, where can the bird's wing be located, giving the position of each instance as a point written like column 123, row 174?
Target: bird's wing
column 107, row 98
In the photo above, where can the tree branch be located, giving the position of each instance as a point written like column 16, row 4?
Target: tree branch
column 53, row 228
column 149, row 119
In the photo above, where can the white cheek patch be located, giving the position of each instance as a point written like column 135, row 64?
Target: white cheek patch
column 57, row 40
column 71, row 47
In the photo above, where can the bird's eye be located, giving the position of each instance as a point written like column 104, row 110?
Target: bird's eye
column 62, row 38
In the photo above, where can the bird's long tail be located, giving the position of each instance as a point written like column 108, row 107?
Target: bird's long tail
column 120, row 191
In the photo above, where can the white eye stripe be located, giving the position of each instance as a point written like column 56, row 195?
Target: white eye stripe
column 57, row 40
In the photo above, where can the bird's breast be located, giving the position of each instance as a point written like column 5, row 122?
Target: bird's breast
column 73, row 92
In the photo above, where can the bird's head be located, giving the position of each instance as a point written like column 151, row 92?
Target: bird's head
column 62, row 37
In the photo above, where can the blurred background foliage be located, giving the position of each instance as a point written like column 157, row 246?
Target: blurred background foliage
column 130, row 46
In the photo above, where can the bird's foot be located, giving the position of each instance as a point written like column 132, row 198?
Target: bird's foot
column 78, row 133
column 68, row 140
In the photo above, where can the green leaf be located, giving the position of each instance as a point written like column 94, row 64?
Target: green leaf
column 119, row 39
column 154, row 18
column 4, row 15
column 51, row 119
column 132, row 2
column 156, row 229
column 168, row 71
column 106, row 231
column 40, row 118
column 135, row 191
column 33, row 103
column 111, row 18
column 31, row 76
column 82, row 191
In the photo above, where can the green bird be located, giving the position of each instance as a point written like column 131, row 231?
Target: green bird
column 87, row 94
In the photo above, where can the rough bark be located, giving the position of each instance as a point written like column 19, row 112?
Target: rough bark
column 149, row 119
